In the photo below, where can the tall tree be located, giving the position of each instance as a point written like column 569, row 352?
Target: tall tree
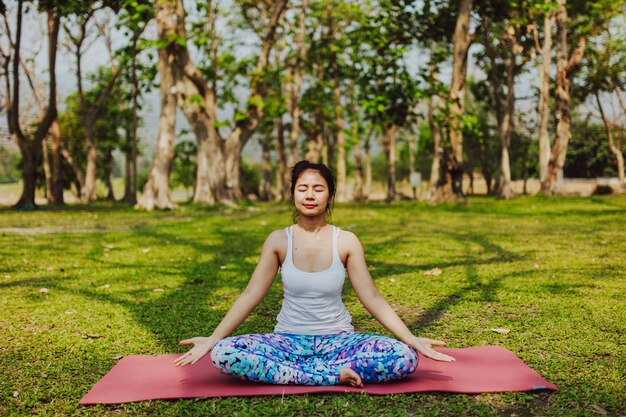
column 156, row 190
column 219, row 158
column 138, row 76
column 546, row 9
column 90, row 113
column 30, row 144
column 591, row 18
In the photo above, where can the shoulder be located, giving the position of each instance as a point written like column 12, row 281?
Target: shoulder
column 349, row 240
column 276, row 240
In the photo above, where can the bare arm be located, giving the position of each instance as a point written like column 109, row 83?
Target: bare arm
column 255, row 291
column 378, row 307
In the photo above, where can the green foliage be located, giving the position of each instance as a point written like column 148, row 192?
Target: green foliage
column 250, row 177
column 588, row 153
column 184, row 165
column 107, row 128
column 9, row 165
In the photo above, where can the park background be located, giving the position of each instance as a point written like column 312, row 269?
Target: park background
column 478, row 147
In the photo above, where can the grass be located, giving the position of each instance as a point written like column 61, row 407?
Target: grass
column 550, row 270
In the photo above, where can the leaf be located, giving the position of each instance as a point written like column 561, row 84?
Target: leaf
column 599, row 409
column 44, row 291
column 158, row 290
column 434, row 272
column 145, row 250
column 500, row 330
column 92, row 336
column 105, row 286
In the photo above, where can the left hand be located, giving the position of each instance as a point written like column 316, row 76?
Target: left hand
column 424, row 346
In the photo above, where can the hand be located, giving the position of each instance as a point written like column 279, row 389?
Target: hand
column 202, row 346
column 424, row 346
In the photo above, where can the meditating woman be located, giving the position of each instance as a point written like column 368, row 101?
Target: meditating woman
column 313, row 342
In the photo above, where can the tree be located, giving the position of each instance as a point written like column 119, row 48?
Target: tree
column 590, row 19
column 106, row 131
column 388, row 92
column 30, row 141
column 461, row 41
column 90, row 113
column 601, row 71
column 218, row 158
column 545, row 9
column 170, row 47
column 138, row 75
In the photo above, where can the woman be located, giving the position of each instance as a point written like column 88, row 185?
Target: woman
column 313, row 342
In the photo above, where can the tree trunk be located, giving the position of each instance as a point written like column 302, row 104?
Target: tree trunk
column 27, row 200
column 341, row 195
column 368, row 170
column 130, row 191
column 89, row 190
column 232, row 151
column 156, row 191
column 78, row 173
column 507, row 119
column 47, row 170
column 565, row 70
column 57, row 176
column 544, row 96
column 435, row 168
column 296, row 86
column 30, row 148
column 315, row 142
column 282, row 181
column 461, row 40
column 412, row 145
column 389, row 143
column 616, row 149
column 358, row 164
column 265, row 193
column 109, row 173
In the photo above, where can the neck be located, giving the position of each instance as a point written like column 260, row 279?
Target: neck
column 312, row 224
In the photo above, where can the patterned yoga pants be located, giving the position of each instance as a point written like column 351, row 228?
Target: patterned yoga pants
column 278, row 358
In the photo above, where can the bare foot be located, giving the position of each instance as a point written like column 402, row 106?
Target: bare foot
column 348, row 377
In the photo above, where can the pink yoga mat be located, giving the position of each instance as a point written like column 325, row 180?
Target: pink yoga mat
column 476, row 370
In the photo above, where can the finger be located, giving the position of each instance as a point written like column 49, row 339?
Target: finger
column 437, row 342
column 181, row 360
column 186, row 342
column 442, row 357
column 433, row 354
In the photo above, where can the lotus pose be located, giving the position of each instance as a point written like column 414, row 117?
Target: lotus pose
column 313, row 342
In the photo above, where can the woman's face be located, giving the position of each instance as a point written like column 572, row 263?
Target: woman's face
column 311, row 194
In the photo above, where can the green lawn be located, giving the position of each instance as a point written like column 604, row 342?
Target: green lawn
column 550, row 270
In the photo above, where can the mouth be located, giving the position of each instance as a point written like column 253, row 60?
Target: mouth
column 310, row 206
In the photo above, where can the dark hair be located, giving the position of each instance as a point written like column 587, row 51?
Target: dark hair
column 324, row 171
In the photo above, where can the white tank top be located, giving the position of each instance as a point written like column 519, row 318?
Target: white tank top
column 312, row 303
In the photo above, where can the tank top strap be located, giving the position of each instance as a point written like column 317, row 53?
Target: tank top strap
column 289, row 233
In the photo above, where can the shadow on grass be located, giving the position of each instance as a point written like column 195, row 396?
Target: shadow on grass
column 187, row 310
column 487, row 290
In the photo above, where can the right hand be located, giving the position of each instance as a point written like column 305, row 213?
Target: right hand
column 202, row 346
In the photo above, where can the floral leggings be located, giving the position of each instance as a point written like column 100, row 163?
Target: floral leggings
column 278, row 358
